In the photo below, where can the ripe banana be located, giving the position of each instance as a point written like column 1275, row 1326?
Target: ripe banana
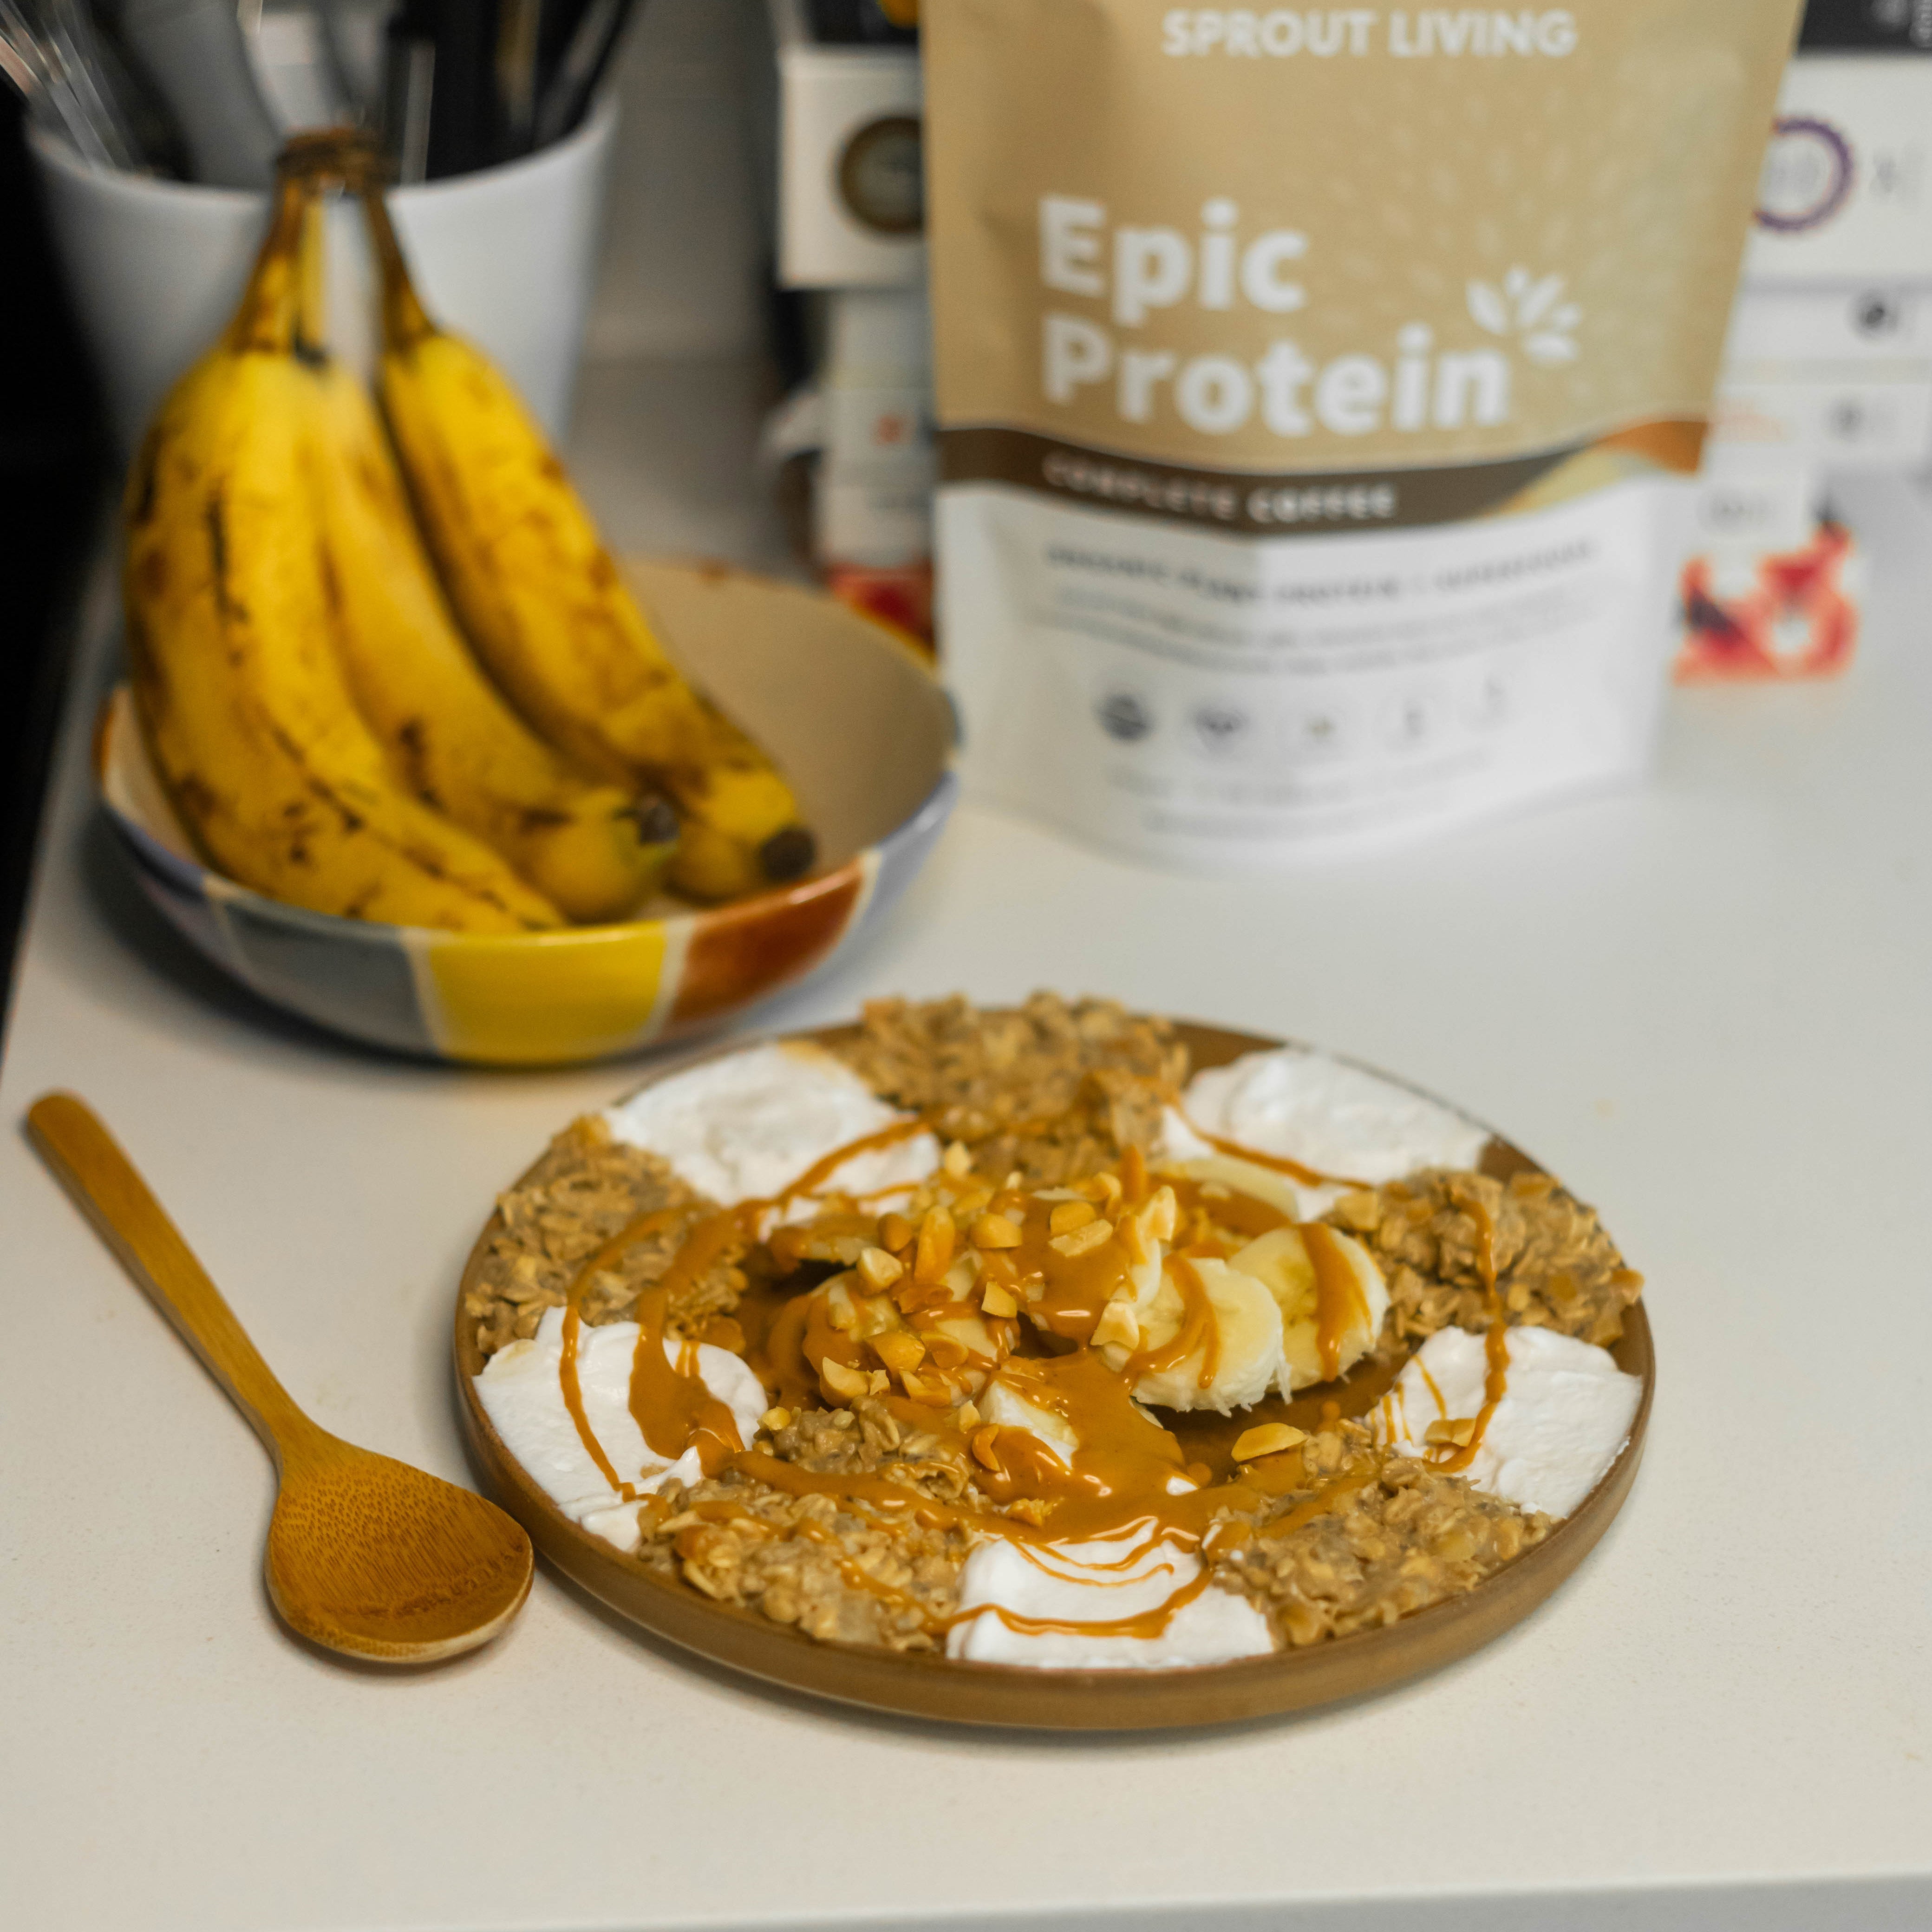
column 232, row 631
column 594, row 849
column 548, row 614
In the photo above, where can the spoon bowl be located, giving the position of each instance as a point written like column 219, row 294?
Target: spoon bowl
column 366, row 1556
column 370, row 1557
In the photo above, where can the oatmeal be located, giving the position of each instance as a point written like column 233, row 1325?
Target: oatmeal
column 941, row 1370
column 1554, row 1266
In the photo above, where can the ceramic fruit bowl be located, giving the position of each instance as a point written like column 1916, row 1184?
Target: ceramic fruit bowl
column 851, row 712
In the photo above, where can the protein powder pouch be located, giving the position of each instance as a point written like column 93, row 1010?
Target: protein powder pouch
column 1318, row 391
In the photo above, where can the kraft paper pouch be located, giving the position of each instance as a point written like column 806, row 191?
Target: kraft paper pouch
column 1317, row 391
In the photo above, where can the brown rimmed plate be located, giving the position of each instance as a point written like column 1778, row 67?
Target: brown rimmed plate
column 924, row 1685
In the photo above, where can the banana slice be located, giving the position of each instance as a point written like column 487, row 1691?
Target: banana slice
column 1244, row 1176
column 1005, row 1407
column 1234, row 1362
column 1330, row 1315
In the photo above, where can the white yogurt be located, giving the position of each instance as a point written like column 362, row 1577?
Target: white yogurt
column 522, row 1393
column 1335, row 1118
column 1566, row 1411
column 1215, row 1627
column 744, row 1127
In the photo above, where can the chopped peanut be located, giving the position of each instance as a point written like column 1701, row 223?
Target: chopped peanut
column 896, row 1232
column 1068, row 1215
column 1161, row 1216
column 1460, row 1430
column 842, row 1380
column 957, row 1161
column 776, row 1419
column 996, row 1301
column 1083, row 1240
column 898, row 1350
column 995, row 1230
column 1270, row 1439
column 929, row 1389
column 937, row 1234
column 879, row 1268
column 947, row 1352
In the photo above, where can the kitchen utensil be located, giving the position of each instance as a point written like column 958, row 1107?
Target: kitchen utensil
column 927, row 1684
column 851, row 713
column 567, row 93
column 365, row 1556
column 52, row 54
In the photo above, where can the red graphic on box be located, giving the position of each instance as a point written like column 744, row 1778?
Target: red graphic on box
column 1796, row 620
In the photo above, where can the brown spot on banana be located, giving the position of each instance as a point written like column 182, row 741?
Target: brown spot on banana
column 787, row 853
column 656, row 819
column 331, row 587
column 218, row 556
column 411, row 736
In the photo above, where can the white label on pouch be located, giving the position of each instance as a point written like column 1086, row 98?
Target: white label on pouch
column 1222, row 703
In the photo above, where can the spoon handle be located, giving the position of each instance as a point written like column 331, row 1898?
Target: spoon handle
column 104, row 1180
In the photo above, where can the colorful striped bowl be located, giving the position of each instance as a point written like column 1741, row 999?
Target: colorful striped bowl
column 852, row 713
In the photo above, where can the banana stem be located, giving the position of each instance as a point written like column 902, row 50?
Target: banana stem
column 268, row 319
column 311, row 331
column 404, row 319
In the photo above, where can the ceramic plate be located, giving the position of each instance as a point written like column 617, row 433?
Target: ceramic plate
column 925, row 1685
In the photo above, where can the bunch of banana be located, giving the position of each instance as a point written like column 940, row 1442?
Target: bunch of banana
column 543, row 605
column 593, row 848
column 232, row 619
column 309, row 704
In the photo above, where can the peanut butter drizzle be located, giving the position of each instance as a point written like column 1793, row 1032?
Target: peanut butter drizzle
column 672, row 1406
column 1338, row 1300
column 1495, row 1343
column 1115, row 1482
column 1247, row 1214
column 1280, row 1163
column 1199, row 1330
column 821, row 1171
column 1150, row 1622
column 606, row 1255
column 573, row 1401
column 1074, row 1288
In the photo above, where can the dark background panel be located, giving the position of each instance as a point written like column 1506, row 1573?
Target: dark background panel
column 53, row 482
column 1881, row 26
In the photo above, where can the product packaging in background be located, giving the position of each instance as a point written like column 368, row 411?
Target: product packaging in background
column 851, row 224
column 1828, row 368
column 1319, row 391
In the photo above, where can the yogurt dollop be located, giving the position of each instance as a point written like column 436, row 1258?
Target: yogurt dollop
column 1566, row 1411
column 521, row 1390
column 1335, row 1118
column 1109, row 1580
column 745, row 1126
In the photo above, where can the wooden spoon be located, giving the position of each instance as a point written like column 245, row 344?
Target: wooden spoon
column 365, row 1555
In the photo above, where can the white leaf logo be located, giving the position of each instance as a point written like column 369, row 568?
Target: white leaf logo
column 1531, row 307
column 1489, row 308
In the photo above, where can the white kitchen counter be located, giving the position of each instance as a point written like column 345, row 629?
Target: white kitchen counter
column 1706, row 1005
